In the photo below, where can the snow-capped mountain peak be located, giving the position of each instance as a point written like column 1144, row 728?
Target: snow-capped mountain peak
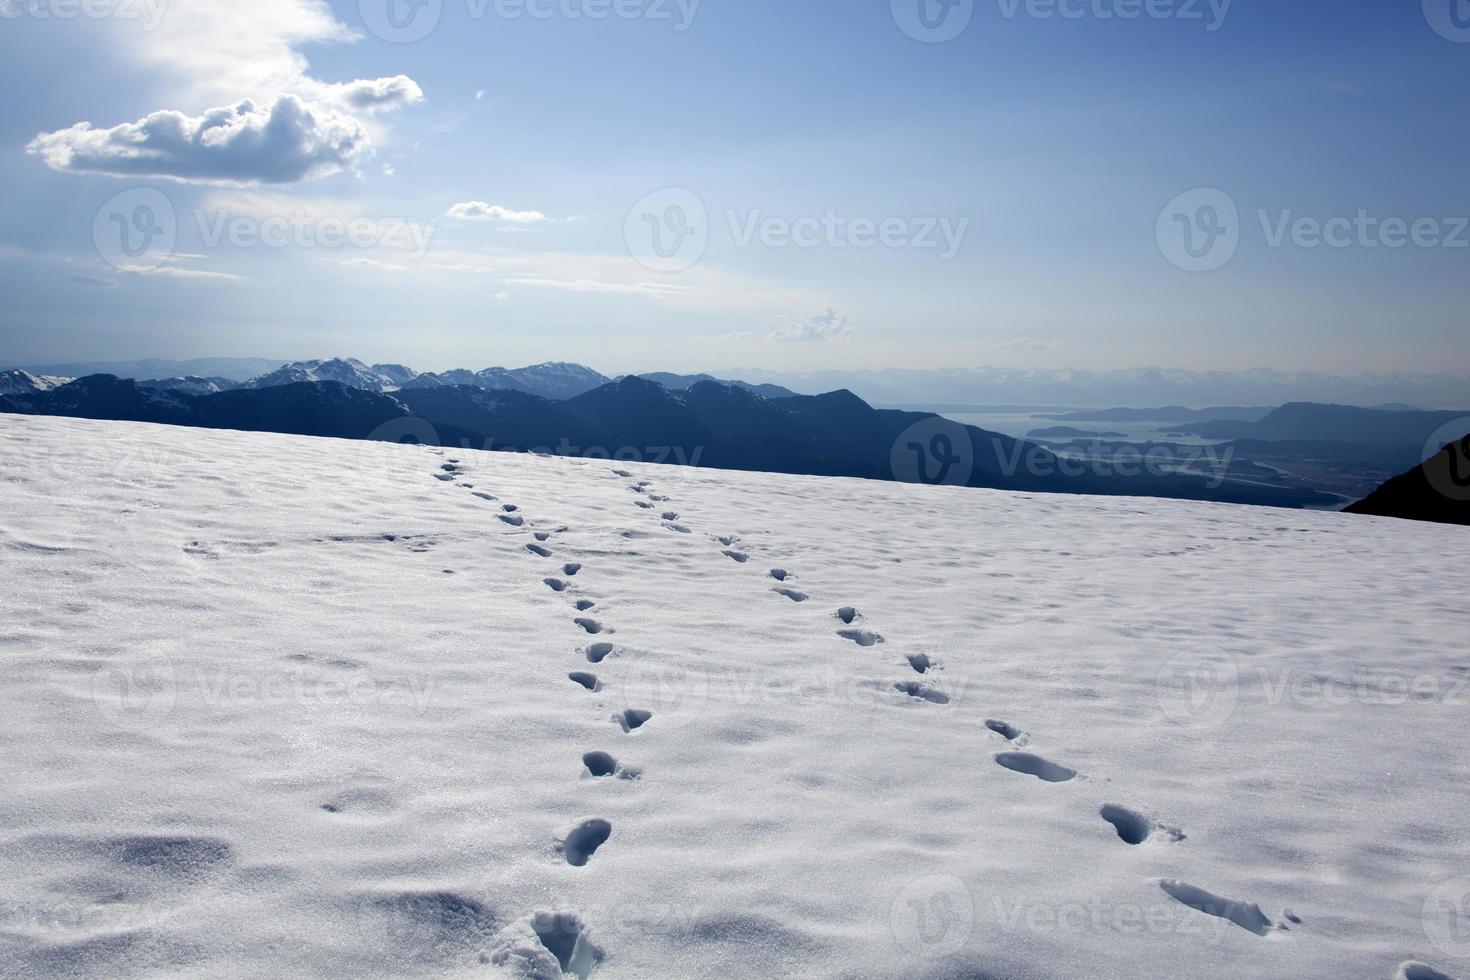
column 17, row 382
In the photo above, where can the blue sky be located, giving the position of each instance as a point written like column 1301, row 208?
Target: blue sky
column 855, row 196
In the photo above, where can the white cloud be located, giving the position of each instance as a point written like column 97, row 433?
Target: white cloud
column 828, row 327
column 480, row 211
column 374, row 95
column 1029, row 344
column 240, row 144
column 277, row 124
column 480, row 95
column 175, row 272
column 214, row 52
column 653, row 289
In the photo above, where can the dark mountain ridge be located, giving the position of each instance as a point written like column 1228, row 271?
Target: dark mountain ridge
column 710, row 424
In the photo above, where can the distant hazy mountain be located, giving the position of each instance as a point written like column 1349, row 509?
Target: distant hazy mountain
column 1139, row 387
column 556, row 380
column 709, row 424
column 1438, row 490
column 233, row 368
column 16, row 382
column 1171, row 413
column 344, row 370
column 1335, row 423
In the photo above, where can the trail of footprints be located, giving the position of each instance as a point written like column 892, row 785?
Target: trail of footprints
column 581, row 842
column 1131, row 826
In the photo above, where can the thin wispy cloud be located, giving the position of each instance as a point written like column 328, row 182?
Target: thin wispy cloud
column 824, row 328
column 481, row 211
column 654, row 289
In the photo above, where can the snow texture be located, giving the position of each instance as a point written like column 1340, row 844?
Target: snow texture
column 280, row 706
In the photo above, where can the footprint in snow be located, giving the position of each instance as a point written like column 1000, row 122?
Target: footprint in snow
column 679, row 528
column 509, row 508
column 727, row 540
column 632, row 719
column 1247, row 915
column 514, row 520
column 556, row 584
column 570, row 569
column 643, row 503
column 921, row 663
column 601, row 765
column 863, row 638
column 780, row 574
column 922, row 692
column 1007, row 731
column 623, row 473
column 543, row 535
column 591, row 625
column 537, row 549
column 444, row 477
column 584, row 604
column 563, row 937
column 584, row 840
column 1034, row 765
column 596, row 653
column 739, row 557
column 1415, row 970
column 587, row 680
column 1135, row 828
column 670, row 515
column 847, row 614
column 792, row 594
column 482, row 495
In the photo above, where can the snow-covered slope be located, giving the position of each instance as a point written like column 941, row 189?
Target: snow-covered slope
column 296, row 707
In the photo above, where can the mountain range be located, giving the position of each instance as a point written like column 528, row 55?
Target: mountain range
column 1331, row 423
column 709, row 423
column 1137, row 387
column 921, row 389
